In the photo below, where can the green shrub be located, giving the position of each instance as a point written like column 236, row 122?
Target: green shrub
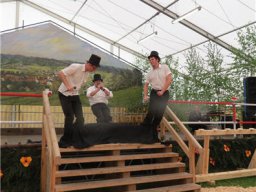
column 15, row 176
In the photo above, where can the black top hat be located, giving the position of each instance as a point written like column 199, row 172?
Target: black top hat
column 95, row 60
column 154, row 54
column 97, row 77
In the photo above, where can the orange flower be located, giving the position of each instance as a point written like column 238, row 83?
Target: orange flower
column 226, row 148
column 25, row 161
column 248, row 153
column 212, row 161
column 1, row 173
column 179, row 159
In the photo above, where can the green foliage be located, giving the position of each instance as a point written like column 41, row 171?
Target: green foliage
column 240, row 182
column 245, row 56
column 130, row 98
column 221, row 160
column 33, row 75
column 16, row 177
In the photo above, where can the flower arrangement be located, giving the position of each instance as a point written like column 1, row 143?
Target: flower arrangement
column 20, row 169
column 225, row 155
column 25, row 161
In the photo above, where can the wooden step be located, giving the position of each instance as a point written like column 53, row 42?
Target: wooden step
column 117, row 158
column 118, row 146
column 121, row 182
column 123, row 169
column 174, row 188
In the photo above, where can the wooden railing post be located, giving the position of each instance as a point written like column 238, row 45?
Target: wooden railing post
column 205, row 175
column 51, row 155
column 192, row 142
column 43, row 158
column 252, row 163
column 192, row 169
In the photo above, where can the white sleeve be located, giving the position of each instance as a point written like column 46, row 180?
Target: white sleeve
column 70, row 69
column 88, row 92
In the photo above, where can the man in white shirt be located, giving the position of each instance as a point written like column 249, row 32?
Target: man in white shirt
column 73, row 77
column 160, row 79
column 98, row 96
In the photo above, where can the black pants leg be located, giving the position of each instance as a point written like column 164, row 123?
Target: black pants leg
column 102, row 113
column 72, row 107
column 157, row 105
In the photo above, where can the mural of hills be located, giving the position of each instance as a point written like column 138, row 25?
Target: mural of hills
column 50, row 41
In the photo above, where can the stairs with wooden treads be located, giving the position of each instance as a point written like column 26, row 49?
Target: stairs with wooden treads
column 123, row 167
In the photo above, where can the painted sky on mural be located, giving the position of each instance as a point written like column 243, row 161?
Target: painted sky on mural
column 50, row 41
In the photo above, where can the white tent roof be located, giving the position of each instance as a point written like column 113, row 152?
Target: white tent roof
column 118, row 25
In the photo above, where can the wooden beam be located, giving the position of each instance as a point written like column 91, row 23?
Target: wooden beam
column 218, row 132
column 182, row 127
column 206, row 153
column 176, row 137
column 252, row 163
column 225, row 175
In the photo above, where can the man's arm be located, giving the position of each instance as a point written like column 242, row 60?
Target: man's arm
column 64, row 79
column 91, row 93
column 168, row 81
column 145, row 91
column 107, row 92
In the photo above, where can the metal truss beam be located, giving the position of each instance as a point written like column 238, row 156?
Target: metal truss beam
column 6, row 1
column 145, row 21
column 199, row 30
column 188, row 24
column 195, row 45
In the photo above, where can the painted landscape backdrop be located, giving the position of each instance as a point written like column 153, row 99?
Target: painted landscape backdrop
column 31, row 57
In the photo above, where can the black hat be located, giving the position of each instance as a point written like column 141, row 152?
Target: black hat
column 154, row 54
column 94, row 60
column 97, row 77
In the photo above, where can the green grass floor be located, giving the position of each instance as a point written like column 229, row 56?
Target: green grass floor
column 239, row 182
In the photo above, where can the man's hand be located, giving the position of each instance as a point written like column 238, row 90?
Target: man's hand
column 160, row 93
column 145, row 99
column 71, row 88
column 100, row 85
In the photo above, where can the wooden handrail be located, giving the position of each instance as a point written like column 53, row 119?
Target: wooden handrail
column 176, row 136
column 218, row 132
column 53, row 136
column 185, row 131
column 193, row 144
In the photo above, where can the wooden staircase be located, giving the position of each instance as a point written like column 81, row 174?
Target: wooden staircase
column 122, row 167
column 115, row 167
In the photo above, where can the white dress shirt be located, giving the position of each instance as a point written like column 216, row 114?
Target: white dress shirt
column 76, row 75
column 157, row 77
column 99, row 97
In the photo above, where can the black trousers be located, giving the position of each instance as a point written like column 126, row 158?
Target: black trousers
column 157, row 105
column 72, row 108
column 102, row 113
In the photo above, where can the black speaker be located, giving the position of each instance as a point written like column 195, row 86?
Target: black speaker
column 250, row 89
column 249, row 113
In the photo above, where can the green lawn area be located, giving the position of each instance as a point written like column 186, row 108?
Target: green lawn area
column 239, row 182
column 130, row 97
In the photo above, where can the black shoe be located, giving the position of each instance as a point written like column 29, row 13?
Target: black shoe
column 166, row 143
column 64, row 145
column 79, row 146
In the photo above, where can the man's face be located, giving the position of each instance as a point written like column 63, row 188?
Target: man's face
column 89, row 67
column 97, row 83
column 153, row 61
